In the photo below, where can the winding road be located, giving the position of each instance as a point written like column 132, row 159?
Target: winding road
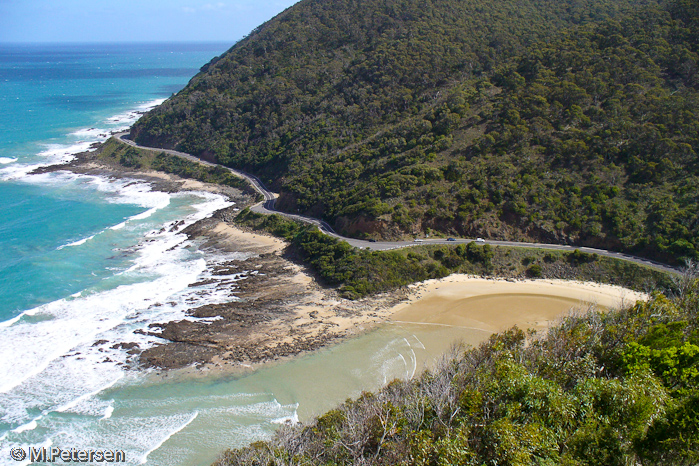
column 267, row 207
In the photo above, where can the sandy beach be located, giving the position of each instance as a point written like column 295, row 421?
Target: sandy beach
column 303, row 316
column 278, row 309
column 493, row 305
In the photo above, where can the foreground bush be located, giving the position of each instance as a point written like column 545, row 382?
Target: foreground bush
column 599, row 389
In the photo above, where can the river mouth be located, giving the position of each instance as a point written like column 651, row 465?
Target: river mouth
column 234, row 410
column 194, row 419
column 178, row 419
column 208, row 414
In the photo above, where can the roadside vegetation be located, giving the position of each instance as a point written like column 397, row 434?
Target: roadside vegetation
column 115, row 152
column 361, row 272
column 559, row 121
column 613, row 388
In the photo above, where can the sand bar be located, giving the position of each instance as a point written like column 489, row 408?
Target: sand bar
column 491, row 305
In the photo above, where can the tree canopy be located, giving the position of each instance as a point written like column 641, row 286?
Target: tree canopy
column 570, row 121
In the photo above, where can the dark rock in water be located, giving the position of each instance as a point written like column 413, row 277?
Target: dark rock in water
column 126, row 346
column 176, row 226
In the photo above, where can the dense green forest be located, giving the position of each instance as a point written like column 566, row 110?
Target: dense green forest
column 361, row 272
column 572, row 121
column 608, row 389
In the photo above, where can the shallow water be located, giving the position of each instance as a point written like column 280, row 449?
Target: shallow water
column 192, row 421
column 87, row 261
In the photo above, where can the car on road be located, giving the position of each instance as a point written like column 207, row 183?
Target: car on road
column 372, row 240
column 480, row 240
column 418, row 240
column 451, row 239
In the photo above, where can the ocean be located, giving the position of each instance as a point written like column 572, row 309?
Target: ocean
column 86, row 262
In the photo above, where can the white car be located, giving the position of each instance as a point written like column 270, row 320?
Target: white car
column 418, row 240
column 480, row 240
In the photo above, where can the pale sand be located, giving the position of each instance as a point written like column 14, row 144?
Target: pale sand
column 186, row 184
column 245, row 240
column 319, row 311
column 492, row 305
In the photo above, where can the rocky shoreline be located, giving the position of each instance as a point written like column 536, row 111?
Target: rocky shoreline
column 277, row 309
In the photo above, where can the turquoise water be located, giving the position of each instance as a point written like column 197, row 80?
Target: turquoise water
column 49, row 91
column 88, row 261
column 33, row 270
column 84, row 258
column 55, row 101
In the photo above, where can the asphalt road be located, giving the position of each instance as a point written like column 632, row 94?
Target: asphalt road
column 267, row 207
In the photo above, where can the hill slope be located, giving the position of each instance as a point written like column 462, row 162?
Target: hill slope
column 571, row 121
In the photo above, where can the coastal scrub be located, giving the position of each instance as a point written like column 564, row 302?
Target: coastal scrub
column 612, row 388
column 361, row 272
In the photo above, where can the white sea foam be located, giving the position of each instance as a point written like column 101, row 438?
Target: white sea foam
column 28, row 426
column 60, row 347
column 72, row 404
column 7, row 323
column 108, row 412
column 419, row 342
column 128, row 118
column 413, row 358
column 144, row 458
column 405, row 364
column 76, row 243
column 117, row 191
column 145, row 214
column 390, row 358
column 53, row 154
column 80, row 140
column 291, row 419
column 92, row 133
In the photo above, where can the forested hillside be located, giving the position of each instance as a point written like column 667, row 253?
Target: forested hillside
column 563, row 121
column 599, row 389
